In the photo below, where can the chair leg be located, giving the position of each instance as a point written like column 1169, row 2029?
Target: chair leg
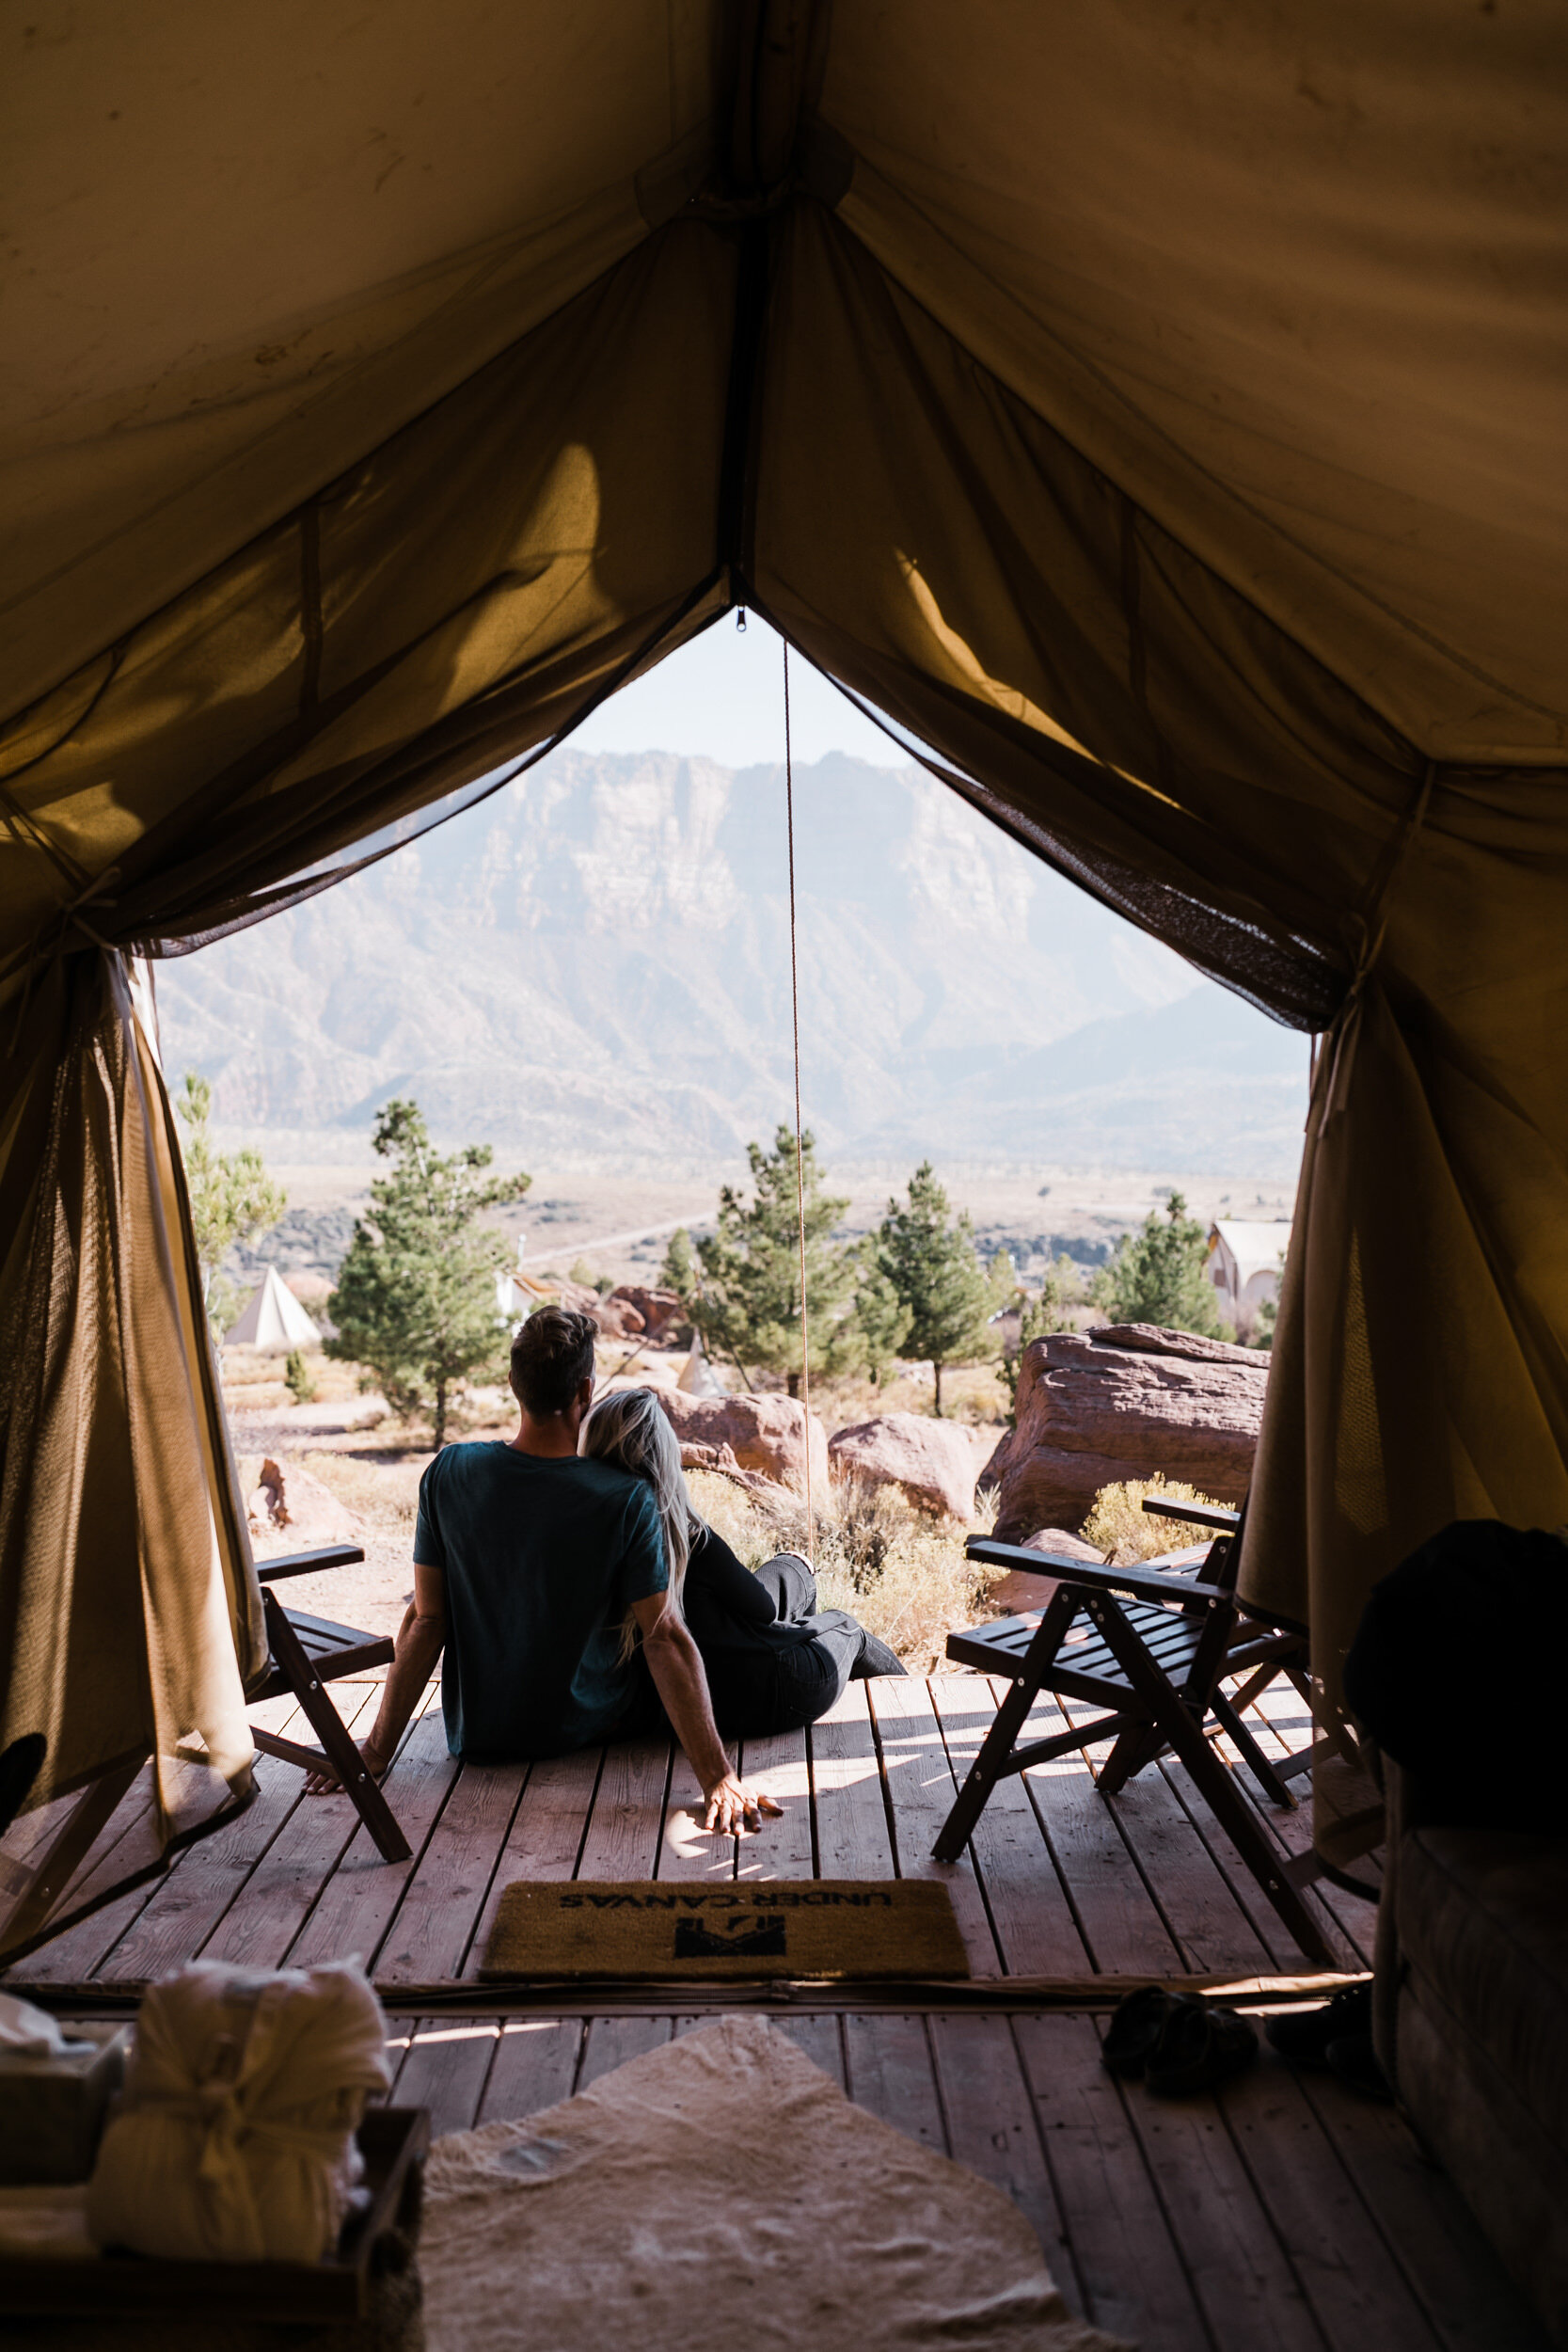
column 1216, row 1782
column 1000, row 1740
column 1257, row 1763
column 985, row 1771
column 1134, row 1748
column 328, row 1725
column 39, row 1895
column 1247, row 1834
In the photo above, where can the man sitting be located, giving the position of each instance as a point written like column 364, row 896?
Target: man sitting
column 527, row 1562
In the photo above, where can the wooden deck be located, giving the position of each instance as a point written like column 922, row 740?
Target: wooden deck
column 1285, row 2215
column 1058, row 1881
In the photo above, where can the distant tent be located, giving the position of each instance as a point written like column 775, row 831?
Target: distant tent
column 1247, row 1259
column 698, row 1377
column 274, row 1318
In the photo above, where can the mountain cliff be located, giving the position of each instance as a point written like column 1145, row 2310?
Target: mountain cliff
column 595, row 963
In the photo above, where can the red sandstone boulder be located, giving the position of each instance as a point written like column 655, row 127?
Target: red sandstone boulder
column 616, row 1317
column 581, row 1297
column 720, row 1460
column 662, row 1312
column 934, row 1463
column 289, row 1510
column 1020, row 1590
column 767, row 1434
column 1122, row 1403
column 616, row 1314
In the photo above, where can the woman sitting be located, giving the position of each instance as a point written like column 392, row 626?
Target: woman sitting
column 774, row 1660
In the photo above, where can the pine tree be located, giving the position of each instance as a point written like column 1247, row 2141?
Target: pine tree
column 881, row 1318
column 933, row 1267
column 416, row 1298
column 749, row 1302
column 679, row 1271
column 1157, row 1274
column 233, row 1198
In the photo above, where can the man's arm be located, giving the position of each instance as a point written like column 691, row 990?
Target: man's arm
column 421, row 1638
column 676, row 1666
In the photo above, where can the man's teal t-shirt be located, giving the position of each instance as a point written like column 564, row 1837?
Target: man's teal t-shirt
column 542, row 1558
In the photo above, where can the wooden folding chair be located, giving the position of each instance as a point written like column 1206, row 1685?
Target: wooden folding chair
column 306, row 1653
column 1159, row 1641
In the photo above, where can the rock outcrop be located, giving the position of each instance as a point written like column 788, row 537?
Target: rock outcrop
column 765, row 1434
column 616, row 1317
column 1120, row 1404
column 934, row 1463
column 289, row 1510
column 720, row 1460
column 618, row 1313
column 662, row 1312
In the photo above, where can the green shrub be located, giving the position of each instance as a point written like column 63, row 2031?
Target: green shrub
column 1118, row 1525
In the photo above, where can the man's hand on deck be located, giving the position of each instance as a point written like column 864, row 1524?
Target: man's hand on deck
column 323, row 1780
column 734, row 1805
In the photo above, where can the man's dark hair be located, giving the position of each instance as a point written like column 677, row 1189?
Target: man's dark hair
column 551, row 1356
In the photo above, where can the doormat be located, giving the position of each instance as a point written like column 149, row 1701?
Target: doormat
column 634, row 1929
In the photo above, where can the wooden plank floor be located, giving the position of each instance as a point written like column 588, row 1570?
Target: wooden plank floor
column 1057, row 1881
column 1283, row 2215
column 1274, row 2218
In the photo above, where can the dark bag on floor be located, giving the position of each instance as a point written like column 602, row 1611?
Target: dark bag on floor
column 1457, row 1671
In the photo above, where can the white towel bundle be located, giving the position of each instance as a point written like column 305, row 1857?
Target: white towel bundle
column 234, row 2138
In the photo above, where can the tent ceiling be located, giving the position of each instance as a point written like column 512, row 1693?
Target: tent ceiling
column 1292, row 277
column 246, row 244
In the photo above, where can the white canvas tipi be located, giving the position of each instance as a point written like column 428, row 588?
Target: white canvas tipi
column 274, row 1318
column 697, row 1375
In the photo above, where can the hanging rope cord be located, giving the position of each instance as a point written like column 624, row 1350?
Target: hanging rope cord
column 799, row 1154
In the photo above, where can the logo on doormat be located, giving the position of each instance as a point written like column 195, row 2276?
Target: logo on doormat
column 766, row 1941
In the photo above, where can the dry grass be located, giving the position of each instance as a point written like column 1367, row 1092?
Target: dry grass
column 902, row 1573
column 385, row 1495
column 1118, row 1525
column 253, row 1379
column 970, row 1392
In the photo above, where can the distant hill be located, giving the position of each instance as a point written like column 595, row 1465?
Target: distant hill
column 595, row 963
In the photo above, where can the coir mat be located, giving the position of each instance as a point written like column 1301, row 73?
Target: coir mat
column 635, row 1929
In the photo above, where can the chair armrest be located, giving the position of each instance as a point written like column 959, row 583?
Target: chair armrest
column 1142, row 1583
column 309, row 1563
column 1211, row 1514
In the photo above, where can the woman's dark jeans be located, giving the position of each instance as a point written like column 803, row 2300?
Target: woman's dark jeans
column 785, row 1688
column 786, row 1676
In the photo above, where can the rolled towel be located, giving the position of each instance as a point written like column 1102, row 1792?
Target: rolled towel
column 234, row 2138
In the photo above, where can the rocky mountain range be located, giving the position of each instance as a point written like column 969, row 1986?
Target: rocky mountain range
column 594, row 964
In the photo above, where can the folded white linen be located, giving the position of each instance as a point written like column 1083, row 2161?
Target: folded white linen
column 234, row 2138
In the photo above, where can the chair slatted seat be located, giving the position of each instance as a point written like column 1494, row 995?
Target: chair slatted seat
column 1152, row 1645
column 335, row 1651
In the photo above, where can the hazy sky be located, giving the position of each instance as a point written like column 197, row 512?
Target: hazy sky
column 722, row 698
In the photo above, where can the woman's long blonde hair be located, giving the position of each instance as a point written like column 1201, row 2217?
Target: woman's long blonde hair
column 629, row 1428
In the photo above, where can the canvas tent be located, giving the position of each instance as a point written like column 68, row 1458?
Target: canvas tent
column 1155, row 414
column 273, row 1318
column 1245, row 1262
